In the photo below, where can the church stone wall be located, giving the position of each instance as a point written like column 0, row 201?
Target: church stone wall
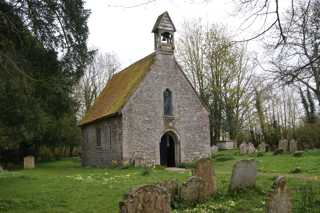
column 143, row 117
column 111, row 146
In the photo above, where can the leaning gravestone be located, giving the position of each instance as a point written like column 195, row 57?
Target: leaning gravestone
column 262, row 147
column 283, row 144
column 293, row 146
column 28, row 162
column 279, row 199
column 192, row 191
column 251, row 149
column 146, row 199
column 244, row 175
column 243, row 148
column 203, row 168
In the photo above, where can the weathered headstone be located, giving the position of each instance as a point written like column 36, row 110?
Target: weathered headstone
column 214, row 149
column 172, row 188
column 28, row 162
column 192, row 191
column 251, row 149
column 279, row 199
column 262, row 147
column 283, row 144
column 293, row 146
column 146, row 199
column 244, row 175
column 243, row 148
column 203, row 168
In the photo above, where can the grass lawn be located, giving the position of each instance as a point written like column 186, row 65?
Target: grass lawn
column 64, row 186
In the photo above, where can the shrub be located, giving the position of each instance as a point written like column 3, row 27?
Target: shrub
column 296, row 170
column 298, row 154
column 260, row 154
column 146, row 171
column 278, row 152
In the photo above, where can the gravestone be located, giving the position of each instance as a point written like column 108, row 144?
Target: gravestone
column 214, row 149
column 279, row 199
column 262, row 147
column 146, row 199
column 244, row 175
column 172, row 188
column 192, row 191
column 293, row 146
column 28, row 162
column 283, row 144
column 1, row 169
column 251, row 149
column 203, row 168
column 243, row 148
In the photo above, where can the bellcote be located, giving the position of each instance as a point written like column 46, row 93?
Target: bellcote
column 163, row 31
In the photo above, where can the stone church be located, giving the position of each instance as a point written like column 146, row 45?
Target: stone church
column 149, row 113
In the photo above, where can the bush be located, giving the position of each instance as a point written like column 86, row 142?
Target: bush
column 308, row 135
column 278, row 152
column 296, row 170
column 146, row 171
column 298, row 154
column 260, row 154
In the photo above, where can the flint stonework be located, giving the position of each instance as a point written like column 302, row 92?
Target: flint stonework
column 244, row 175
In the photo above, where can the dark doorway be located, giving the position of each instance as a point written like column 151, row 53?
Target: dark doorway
column 167, row 151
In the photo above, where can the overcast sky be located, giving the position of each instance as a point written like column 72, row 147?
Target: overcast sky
column 127, row 31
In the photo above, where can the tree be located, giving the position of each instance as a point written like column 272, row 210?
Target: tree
column 95, row 78
column 219, row 72
column 36, row 84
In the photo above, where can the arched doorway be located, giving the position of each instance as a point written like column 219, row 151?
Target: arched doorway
column 168, row 150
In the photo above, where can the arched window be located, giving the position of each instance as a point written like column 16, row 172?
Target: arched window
column 167, row 102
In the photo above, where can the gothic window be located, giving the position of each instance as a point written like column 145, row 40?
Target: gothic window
column 108, row 138
column 98, row 136
column 167, row 99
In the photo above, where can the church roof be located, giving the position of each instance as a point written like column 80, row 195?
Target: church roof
column 164, row 22
column 118, row 90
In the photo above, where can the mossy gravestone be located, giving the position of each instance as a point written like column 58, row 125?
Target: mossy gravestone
column 283, row 144
column 192, row 191
column 146, row 199
column 244, row 175
column 279, row 199
column 204, row 169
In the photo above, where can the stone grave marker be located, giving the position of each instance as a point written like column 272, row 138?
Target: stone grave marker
column 243, row 148
column 251, row 149
column 293, row 146
column 28, row 162
column 146, row 199
column 1, row 169
column 283, row 144
column 172, row 188
column 192, row 191
column 279, row 199
column 244, row 175
column 262, row 147
column 203, row 168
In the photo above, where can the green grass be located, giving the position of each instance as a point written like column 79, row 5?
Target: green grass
column 65, row 186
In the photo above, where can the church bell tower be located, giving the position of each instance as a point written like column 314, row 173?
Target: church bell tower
column 163, row 31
